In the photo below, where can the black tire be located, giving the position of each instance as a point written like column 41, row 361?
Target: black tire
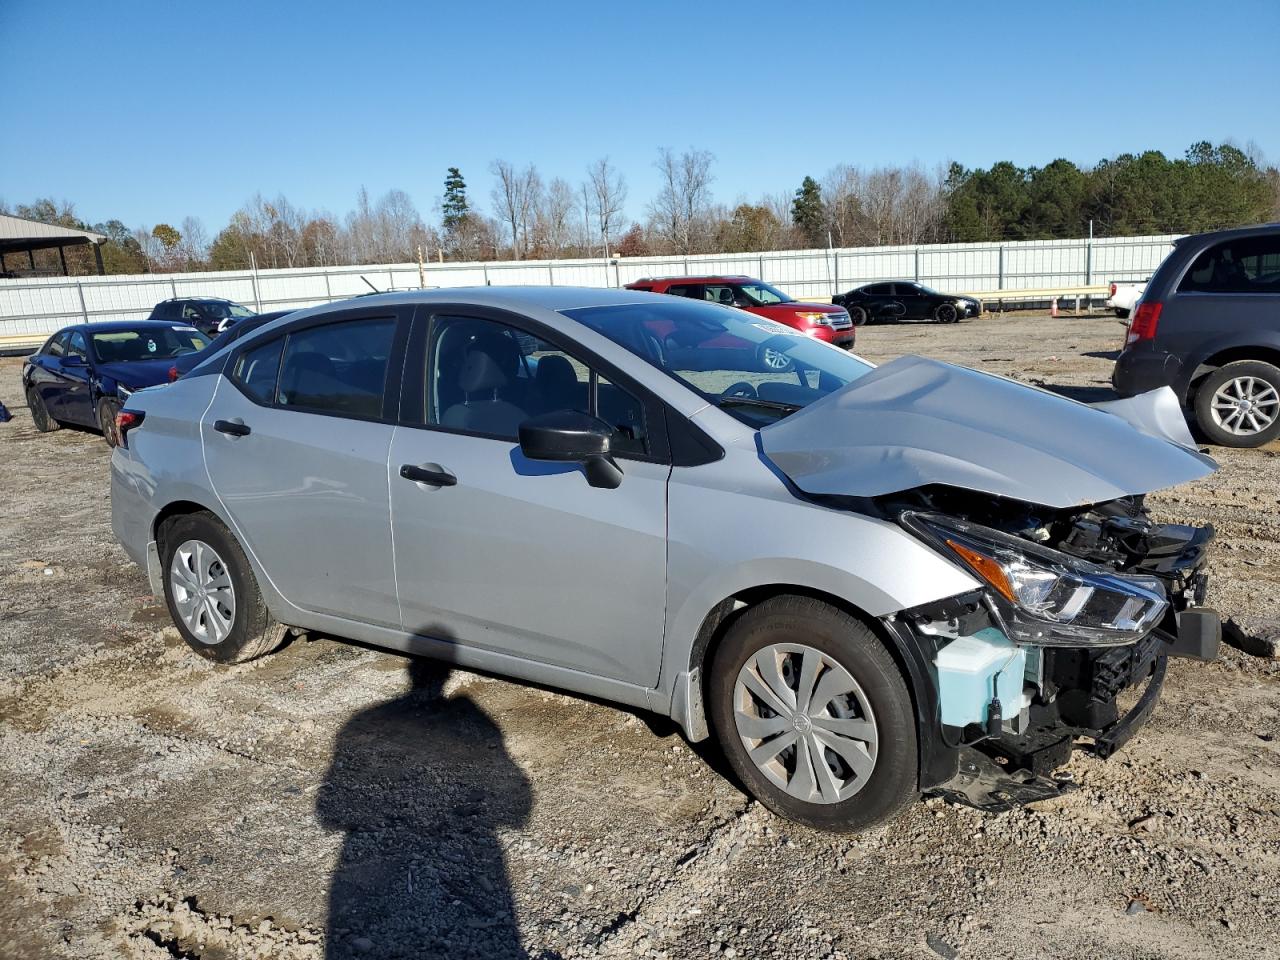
column 1122, row 314
column 253, row 633
column 858, row 315
column 40, row 413
column 946, row 313
column 893, row 782
column 107, row 410
column 1218, row 429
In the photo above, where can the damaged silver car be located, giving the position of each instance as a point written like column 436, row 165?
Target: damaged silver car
column 866, row 582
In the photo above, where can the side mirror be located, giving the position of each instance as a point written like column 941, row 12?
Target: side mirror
column 568, row 436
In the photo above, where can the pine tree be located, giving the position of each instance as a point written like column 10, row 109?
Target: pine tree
column 806, row 210
column 454, row 207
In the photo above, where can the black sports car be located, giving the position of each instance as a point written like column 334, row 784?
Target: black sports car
column 905, row 300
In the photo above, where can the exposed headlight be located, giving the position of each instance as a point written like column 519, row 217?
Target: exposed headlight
column 123, row 392
column 823, row 319
column 1043, row 596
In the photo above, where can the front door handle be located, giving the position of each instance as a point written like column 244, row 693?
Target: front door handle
column 233, row 428
column 432, row 474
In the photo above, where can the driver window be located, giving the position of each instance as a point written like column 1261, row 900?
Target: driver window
column 57, row 346
column 487, row 378
column 77, row 346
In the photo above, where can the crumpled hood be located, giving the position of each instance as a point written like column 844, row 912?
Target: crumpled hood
column 917, row 421
column 137, row 374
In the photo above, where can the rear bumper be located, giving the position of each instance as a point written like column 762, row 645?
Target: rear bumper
column 131, row 513
column 1140, row 369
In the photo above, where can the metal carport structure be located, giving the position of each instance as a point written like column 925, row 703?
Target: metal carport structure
column 27, row 236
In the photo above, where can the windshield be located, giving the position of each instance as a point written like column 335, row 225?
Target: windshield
column 126, row 346
column 755, row 369
column 763, row 295
column 223, row 310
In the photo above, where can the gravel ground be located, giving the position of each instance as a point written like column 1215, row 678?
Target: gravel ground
column 339, row 801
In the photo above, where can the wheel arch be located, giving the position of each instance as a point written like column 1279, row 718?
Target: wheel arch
column 936, row 762
column 1266, row 353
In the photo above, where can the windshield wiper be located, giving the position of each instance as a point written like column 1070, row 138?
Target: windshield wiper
column 758, row 402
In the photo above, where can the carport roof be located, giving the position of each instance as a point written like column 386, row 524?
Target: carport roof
column 19, row 234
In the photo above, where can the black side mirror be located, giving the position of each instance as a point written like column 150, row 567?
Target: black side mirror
column 569, row 436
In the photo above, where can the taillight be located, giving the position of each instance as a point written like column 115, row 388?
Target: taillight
column 126, row 420
column 1113, row 290
column 173, row 374
column 1145, row 320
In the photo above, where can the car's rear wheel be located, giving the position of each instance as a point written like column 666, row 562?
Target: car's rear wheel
column 858, row 315
column 40, row 413
column 107, row 410
column 212, row 594
column 1238, row 405
column 814, row 715
column 946, row 313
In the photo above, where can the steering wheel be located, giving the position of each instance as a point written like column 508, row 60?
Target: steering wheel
column 740, row 389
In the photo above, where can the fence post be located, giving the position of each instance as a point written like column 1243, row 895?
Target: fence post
column 328, row 293
column 1088, row 263
column 917, row 258
column 551, row 275
column 84, row 309
column 173, row 288
column 485, row 268
column 761, row 259
column 1000, row 282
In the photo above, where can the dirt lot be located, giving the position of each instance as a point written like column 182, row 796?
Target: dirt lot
column 328, row 799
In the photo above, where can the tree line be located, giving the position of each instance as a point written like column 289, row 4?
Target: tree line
column 531, row 217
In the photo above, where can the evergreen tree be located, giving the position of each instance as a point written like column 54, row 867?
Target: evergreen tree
column 454, row 208
column 806, row 210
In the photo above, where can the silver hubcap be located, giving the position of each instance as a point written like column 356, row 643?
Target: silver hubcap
column 805, row 723
column 1245, row 406
column 202, row 591
column 775, row 360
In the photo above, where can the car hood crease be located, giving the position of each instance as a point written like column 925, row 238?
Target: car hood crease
column 915, row 422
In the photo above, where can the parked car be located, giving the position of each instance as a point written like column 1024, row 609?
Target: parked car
column 905, row 300
column 1123, row 297
column 864, row 581
column 185, row 364
column 206, row 314
column 1208, row 326
column 821, row 321
column 84, row 373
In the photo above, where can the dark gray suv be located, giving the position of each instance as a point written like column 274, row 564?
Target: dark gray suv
column 1208, row 325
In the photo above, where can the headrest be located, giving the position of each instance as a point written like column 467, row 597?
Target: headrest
column 480, row 371
column 555, row 373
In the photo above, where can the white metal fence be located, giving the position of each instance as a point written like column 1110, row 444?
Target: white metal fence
column 38, row 306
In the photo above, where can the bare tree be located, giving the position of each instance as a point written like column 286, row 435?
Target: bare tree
column 553, row 221
column 194, row 244
column 515, row 196
column 607, row 194
column 680, row 211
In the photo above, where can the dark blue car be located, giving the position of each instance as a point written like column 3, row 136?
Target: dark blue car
column 84, row 373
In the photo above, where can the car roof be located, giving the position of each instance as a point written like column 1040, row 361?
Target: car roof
column 700, row 278
column 1213, row 236
column 555, row 298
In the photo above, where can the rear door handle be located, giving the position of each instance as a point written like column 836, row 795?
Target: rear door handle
column 232, row 428
column 433, row 474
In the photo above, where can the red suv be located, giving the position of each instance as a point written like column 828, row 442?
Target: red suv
column 820, row 320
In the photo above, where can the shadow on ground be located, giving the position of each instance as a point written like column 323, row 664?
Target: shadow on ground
column 422, row 872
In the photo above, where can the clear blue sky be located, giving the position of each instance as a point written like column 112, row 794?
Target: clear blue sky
column 150, row 111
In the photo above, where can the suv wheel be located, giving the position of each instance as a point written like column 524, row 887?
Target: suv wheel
column 211, row 592
column 858, row 315
column 1238, row 405
column 946, row 313
column 814, row 715
column 40, row 413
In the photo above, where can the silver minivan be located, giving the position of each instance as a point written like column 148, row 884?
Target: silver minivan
column 866, row 582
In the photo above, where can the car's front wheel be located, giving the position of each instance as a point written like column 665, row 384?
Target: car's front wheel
column 44, row 423
column 814, row 715
column 1238, row 405
column 212, row 594
column 946, row 313
column 107, row 410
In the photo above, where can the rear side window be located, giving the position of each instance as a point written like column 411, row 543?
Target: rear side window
column 879, row 290
column 1247, row 265
column 256, row 370
column 57, row 346
column 686, row 290
column 339, row 368
column 77, row 346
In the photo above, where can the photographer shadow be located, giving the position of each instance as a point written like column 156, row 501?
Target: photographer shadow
column 421, row 785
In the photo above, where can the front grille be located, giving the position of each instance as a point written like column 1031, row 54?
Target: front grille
column 840, row 321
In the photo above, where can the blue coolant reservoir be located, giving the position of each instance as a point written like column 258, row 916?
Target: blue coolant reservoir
column 972, row 670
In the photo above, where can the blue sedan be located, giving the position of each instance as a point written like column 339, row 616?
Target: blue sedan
column 84, row 373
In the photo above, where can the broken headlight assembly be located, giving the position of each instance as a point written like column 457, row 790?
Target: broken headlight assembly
column 1042, row 596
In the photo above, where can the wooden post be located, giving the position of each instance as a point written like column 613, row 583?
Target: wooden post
column 62, row 258
column 97, row 256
